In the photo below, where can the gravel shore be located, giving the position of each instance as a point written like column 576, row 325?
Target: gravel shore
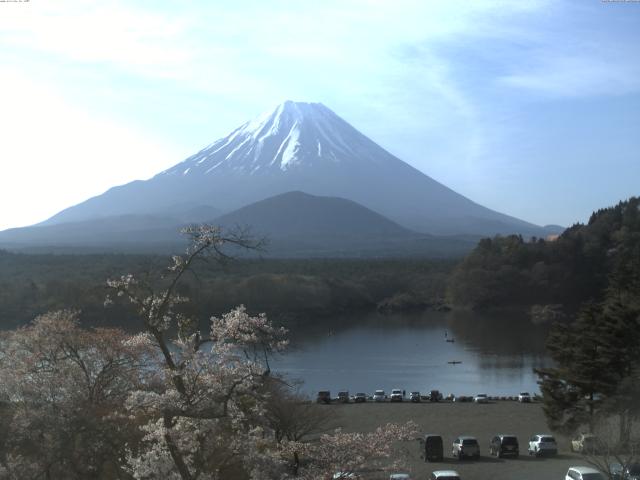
column 482, row 421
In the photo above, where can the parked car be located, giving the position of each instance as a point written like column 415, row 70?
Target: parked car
column 615, row 469
column 463, row 398
column 504, row 445
column 465, row 446
column 444, row 475
column 360, row 397
column 379, row 396
column 481, row 398
column 524, row 397
column 343, row 397
column 414, row 397
column 345, row 476
column 433, row 448
column 324, row 396
column 619, row 472
column 585, row 443
column 542, row 444
column 631, row 472
column 435, row 396
column 396, row 395
column 399, row 476
column 583, row 473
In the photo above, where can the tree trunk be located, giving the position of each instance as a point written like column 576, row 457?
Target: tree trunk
column 296, row 464
column 591, row 419
column 174, row 450
column 625, row 427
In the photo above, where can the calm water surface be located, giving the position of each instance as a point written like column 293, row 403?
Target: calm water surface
column 410, row 352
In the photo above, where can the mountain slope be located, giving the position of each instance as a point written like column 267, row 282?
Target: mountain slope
column 302, row 147
column 129, row 232
column 300, row 214
column 295, row 224
column 137, row 233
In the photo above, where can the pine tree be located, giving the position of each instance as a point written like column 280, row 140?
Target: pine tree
column 596, row 370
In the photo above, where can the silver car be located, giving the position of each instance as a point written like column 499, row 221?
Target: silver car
column 583, row 473
column 481, row 398
column 444, row 475
column 396, row 395
column 465, row 446
column 524, row 397
column 379, row 396
column 542, row 444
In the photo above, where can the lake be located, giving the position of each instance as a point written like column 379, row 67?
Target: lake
column 362, row 353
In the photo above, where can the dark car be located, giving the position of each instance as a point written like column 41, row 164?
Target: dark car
column 632, row 472
column 343, row 397
column 504, row 445
column 463, row 398
column 435, row 396
column 414, row 397
column 324, row 396
column 433, row 448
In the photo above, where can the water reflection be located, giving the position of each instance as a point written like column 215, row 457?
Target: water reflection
column 411, row 352
column 505, row 333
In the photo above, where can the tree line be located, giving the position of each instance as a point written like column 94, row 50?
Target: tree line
column 288, row 290
column 564, row 272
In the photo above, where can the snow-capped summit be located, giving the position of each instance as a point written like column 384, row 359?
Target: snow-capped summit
column 308, row 148
column 293, row 135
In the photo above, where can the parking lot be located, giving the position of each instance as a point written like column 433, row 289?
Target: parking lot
column 450, row 420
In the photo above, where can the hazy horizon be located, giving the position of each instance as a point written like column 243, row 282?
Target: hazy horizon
column 526, row 108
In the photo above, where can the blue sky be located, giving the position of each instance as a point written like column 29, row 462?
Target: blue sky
column 529, row 108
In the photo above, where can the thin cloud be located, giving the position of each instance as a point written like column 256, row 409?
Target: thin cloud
column 577, row 76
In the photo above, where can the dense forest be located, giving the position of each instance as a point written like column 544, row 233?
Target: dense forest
column 550, row 278
column 553, row 277
column 289, row 291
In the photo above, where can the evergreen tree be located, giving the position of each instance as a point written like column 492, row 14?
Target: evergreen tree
column 572, row 390
column 621, row 328
column 596, row 369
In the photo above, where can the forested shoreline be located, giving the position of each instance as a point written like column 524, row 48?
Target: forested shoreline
column 291, row 292
column 553, row 278
column 549, row 279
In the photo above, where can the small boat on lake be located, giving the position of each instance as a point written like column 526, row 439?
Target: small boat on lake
column 454, row 362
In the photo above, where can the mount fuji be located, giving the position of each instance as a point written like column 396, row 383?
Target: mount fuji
column 301, row 147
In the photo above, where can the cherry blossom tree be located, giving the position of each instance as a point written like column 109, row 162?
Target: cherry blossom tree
column 214, row 415
column 64, row 390
column 207, row 417
column 350, row 454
